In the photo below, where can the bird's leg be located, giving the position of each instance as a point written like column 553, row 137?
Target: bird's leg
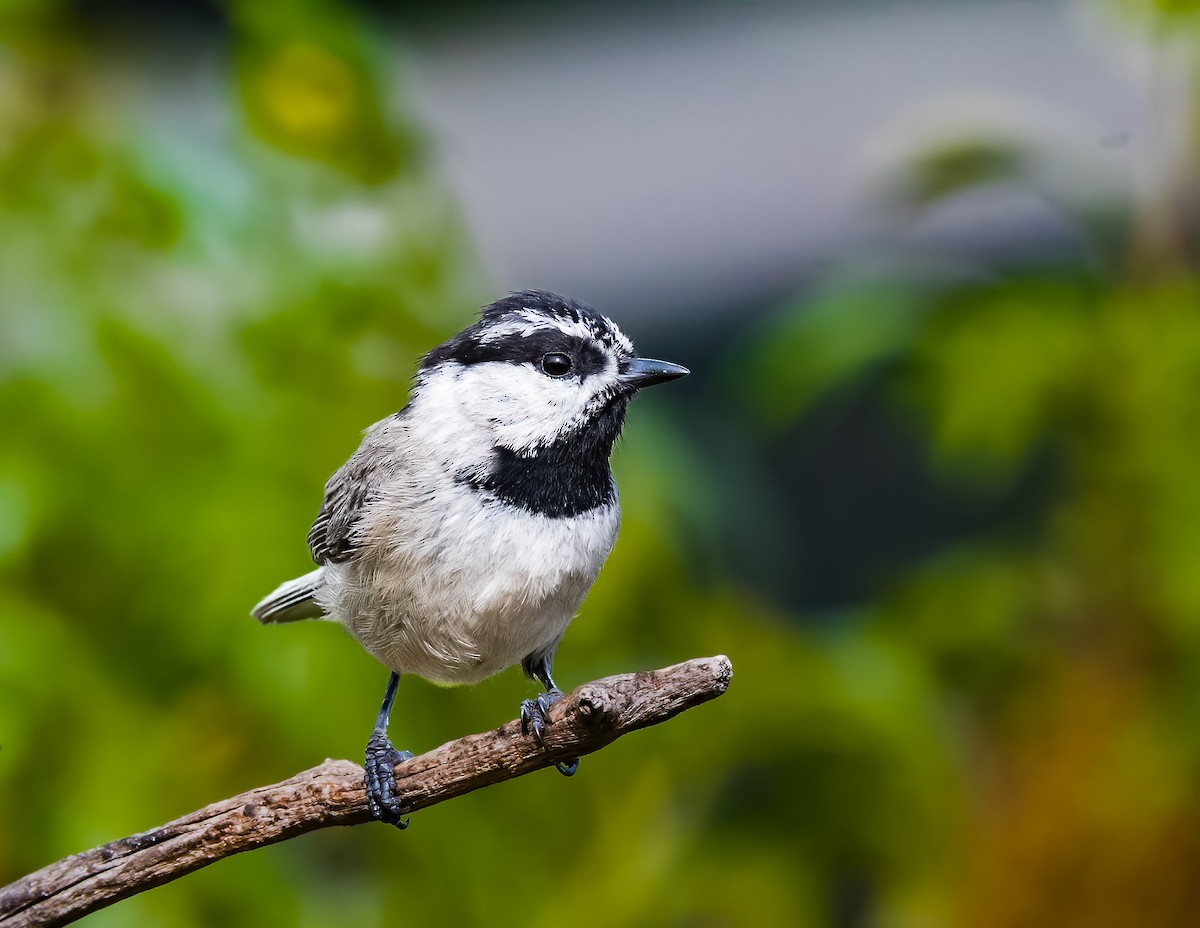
column 381, row 763
column 534, row 715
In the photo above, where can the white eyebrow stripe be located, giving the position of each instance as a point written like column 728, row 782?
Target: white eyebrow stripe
column 503, row 329
column 565, row 324
column 620, row 337
column 526, row 322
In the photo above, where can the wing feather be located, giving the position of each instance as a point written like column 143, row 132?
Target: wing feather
column 333, row 537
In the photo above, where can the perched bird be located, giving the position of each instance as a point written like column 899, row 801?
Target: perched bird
column 463, row 534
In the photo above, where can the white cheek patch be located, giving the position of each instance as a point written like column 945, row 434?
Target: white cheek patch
column 471, row 409
column 446, row 425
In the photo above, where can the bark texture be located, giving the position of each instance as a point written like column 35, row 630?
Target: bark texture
column 592, row 716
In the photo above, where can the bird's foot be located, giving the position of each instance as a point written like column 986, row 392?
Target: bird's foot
column 380, row 770
column 535, row 717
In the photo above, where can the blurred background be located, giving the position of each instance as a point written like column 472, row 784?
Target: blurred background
column 931, row 486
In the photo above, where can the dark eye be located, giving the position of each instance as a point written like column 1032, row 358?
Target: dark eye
column 556, row 364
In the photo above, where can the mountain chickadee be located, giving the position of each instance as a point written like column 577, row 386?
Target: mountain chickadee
column 463, row 534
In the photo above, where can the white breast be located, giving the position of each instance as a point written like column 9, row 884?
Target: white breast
column 454, row 587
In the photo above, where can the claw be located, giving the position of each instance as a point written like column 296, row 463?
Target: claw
column 534, row 713
column 534, row 719
column 380, row 770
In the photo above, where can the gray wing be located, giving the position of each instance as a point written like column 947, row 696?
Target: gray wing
column 333, row 537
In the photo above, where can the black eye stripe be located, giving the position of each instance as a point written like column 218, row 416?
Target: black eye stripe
column 478, row 346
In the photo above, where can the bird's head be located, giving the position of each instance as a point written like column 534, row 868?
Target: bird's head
column 538, row 370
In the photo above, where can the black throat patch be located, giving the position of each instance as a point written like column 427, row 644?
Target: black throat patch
column 565, row 478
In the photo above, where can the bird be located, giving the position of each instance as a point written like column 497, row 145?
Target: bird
column 463, row 534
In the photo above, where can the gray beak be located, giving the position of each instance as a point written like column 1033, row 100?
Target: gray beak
column 645, row 372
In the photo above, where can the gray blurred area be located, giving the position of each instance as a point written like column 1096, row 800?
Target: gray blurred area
column 691, row 159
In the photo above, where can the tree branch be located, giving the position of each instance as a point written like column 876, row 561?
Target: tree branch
column 594, row 715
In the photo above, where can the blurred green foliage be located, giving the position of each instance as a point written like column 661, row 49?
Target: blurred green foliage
column 1058, row 648
column 199, row 310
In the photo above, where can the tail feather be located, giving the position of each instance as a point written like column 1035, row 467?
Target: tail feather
column 292, row 601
